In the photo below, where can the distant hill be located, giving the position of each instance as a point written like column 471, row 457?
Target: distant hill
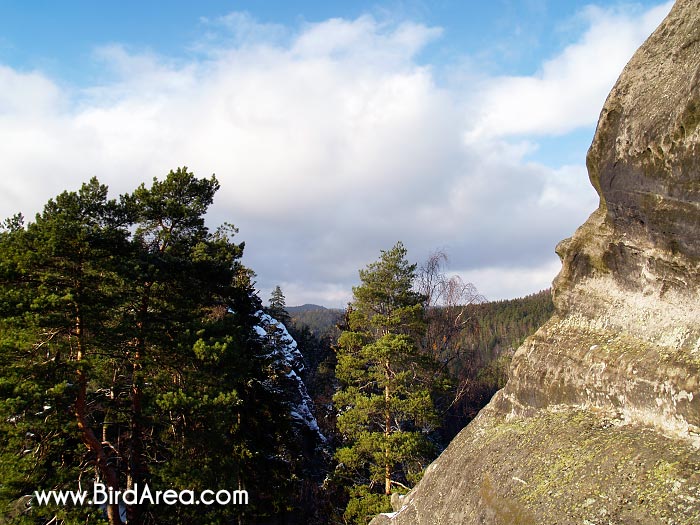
column 292, row 310
column 504, row 325
column 321, row 321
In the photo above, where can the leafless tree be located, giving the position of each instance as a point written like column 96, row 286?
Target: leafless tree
column 447, row 306
column 447, row 312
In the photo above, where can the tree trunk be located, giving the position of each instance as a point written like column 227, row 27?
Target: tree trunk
column 387, row 431
column 87, row 435
column 137, row 466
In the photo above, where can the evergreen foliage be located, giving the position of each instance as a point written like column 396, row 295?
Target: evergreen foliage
column 482, row 360
column 385, row 406
column 129, row 355
column 475, row 343
column 277, row 307
column 502, row 326
column 321, row 322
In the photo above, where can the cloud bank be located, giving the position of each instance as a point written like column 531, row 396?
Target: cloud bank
column 332, row 141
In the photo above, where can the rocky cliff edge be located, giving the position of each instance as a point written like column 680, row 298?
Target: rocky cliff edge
column 600, row 420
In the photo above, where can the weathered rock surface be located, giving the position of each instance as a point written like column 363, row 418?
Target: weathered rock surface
column 600, row 420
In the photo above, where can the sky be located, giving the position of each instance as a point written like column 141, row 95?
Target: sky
column 335, row 129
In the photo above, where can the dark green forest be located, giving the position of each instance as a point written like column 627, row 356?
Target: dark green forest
column 135, row 352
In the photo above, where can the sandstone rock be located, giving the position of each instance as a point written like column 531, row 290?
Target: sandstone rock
column 600, row 420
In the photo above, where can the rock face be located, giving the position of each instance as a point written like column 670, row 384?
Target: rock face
column 600, row 420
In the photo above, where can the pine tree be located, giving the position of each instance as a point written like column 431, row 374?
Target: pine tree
column 277, row 307
column 199, row 370
column 385, row 407
column 60, row 280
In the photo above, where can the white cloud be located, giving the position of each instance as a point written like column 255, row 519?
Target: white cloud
column 27, row 94
column 364, row 39
column 241, row 29
column 330, row 143
column 570, row 88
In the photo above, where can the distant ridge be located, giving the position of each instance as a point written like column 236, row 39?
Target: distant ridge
column 304, row 308
column 321, row 321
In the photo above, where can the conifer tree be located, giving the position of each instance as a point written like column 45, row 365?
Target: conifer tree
column 277, row 307
column 59, row 282
column 385, row 407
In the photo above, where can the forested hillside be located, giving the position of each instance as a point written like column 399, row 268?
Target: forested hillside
column 321, row 321
column 504, row 325
column 481, row 367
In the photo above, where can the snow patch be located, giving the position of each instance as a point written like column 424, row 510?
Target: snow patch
column 286, row 357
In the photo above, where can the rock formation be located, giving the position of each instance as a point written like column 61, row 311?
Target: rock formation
column 600, row 420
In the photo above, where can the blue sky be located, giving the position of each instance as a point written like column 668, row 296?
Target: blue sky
column 335, row 128
column 506, row 36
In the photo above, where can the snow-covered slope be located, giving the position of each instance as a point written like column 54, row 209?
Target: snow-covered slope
column 288, row 364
